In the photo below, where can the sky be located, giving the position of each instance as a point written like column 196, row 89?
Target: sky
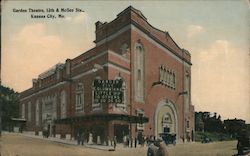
column 216, row 33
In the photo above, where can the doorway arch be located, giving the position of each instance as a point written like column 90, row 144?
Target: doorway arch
column 165, row 118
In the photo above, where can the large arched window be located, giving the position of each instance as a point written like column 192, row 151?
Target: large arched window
column 139, row 72
column 63, row 105
column 79, row 98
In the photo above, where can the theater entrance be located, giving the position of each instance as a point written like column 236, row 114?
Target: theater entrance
column 166, row 118
column 120, row 131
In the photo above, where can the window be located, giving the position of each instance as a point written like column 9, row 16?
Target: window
column 23, row 111
column 49, row 108
column 139, row 72
column 167, row 123
column 174, row 81
column 124, row 49
column 166, row 119
column 29, row 111
column 187, row 88
column 187, row 123
column 79, row 98
column 37, row 113
column 167, row 77
column 63, row 105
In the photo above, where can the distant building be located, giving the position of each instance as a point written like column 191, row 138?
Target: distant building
column 156, row 80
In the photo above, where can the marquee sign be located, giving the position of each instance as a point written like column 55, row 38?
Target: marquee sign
column 108, row 91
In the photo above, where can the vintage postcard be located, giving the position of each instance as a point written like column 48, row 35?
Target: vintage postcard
column 122, row 78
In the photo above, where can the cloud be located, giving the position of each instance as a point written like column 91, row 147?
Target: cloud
column 193, row 30
column 35, row 34
column 77, row 19
column 220, row 74
column 218, row 49
column 29, row 52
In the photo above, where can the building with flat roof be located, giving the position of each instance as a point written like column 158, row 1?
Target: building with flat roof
column 136, row 80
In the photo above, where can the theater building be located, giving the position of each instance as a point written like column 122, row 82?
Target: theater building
column 152, row 71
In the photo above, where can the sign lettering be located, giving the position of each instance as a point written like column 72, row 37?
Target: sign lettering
column 108, row 91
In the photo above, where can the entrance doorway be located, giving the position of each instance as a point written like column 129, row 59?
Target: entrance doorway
column 98, row 130
column 120, row 131
column 166, row 118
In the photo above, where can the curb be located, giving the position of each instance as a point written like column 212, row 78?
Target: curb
column 104, row 148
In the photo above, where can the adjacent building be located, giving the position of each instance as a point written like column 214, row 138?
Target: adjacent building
column 155, row 74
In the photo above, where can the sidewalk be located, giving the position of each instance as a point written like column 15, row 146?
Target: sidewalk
column 69, row 142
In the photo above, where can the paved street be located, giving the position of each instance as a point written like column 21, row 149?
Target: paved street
column 19, row 145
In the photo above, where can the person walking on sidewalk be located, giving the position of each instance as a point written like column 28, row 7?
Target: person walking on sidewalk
column 82, row 138
column 135, row 142
column 163, row 149
column 115, row 141
column 78, row 138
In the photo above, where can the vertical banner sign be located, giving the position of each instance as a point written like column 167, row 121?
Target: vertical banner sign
column 108, row 91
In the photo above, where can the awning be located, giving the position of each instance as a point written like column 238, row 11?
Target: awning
column 103, row 117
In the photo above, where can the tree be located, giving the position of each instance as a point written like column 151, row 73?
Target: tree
column 205, row 122
column 9, row 106
column 234, row 126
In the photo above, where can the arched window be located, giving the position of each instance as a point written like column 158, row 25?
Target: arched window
column 139, row 72
column 63, row 105
column 79, row 98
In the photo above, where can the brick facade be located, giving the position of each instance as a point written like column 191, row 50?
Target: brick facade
column 116, row 42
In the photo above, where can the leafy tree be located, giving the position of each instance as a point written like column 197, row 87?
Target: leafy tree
column 206, row 122
column 9, row 105
column 234, row 126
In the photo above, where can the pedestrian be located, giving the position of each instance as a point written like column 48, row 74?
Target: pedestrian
column 143, row 141
column 127, row 140
column 82, row 139
column 78, row 138
column 162, row 149
column 152, row 149
column 115, row 141
column 135, row 142
column 131, row 141
column 124, row 140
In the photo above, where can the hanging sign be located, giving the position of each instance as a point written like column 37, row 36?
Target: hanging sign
column 108, row 91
